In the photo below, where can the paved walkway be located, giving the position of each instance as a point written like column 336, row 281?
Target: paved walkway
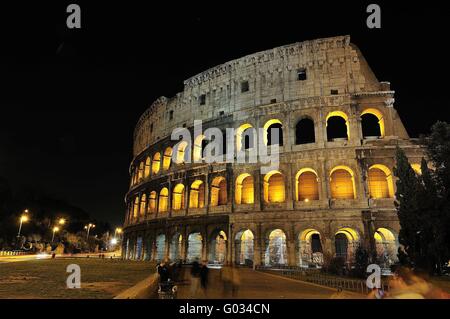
column 259, row 285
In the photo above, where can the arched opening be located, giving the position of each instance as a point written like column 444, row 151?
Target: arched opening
column 218, row 247
column 197, row 195
column 310, row 249
column 304, row 132
column 245, row 137
column 142, row 209
column 156, row 163
column 152, row 202
column 147, row 167
column 244, row 190
column 195, row 247
column 276, row 250
column 337, row 126
column 386, row 247
column 346, row 240
column 274, row 191
column 160, row 247
column 244, row 247
column 136, row 207
column 167, row 158
column 178, row 197
column 176, row 245
column 381, row 184
column 141, row 171
column 163, row 200
column 307, row 185
column 181, row 152
column 270, row 135
column 342, row 183
column 199, row 145
column 219, row 191
column 372, row 123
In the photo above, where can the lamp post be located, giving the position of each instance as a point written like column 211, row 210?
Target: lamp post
column 55, row 229
column 23, row 218
column 117, row 231
column 62, row 221
column 88, row 228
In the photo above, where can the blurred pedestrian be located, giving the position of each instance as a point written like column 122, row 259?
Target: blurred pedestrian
column 195, row 278
column 235, row 281
column 204, row 277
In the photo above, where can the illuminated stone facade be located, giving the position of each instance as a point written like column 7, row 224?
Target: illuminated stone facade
column 334, row 188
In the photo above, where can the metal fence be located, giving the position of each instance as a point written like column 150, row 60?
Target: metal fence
column 13, row 252
column 317, row 277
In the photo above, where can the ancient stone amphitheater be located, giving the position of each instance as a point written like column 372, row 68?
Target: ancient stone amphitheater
column 333, row 190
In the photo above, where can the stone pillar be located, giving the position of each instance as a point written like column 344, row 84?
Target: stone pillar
column 230, row 246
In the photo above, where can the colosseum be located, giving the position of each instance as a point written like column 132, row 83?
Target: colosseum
column 333, row 190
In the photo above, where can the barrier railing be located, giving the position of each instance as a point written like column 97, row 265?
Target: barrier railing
column 13, row 253
column 319, row 278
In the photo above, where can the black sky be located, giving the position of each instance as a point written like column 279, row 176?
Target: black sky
column 70, row 98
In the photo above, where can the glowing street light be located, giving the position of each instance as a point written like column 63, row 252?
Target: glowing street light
column 88, row 228
column 114, row 241
column 23, row 219
column 117, row 231
column 55, row 229
column 61, row 221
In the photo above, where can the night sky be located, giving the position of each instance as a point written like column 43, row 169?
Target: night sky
column 70, row 98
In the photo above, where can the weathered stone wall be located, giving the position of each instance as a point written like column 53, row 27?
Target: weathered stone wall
column 338, row 79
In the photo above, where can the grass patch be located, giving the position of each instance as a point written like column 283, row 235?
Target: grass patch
column 100, row 278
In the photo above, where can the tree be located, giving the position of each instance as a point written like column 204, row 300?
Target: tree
column 407, row 205
column 361, row 262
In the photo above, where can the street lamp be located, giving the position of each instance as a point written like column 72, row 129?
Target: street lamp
column 55, row 229
column 88, row 228
column 61, row 221
column 117, row 231
column 23, row 219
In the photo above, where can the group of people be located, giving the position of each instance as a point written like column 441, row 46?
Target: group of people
column 199, row 278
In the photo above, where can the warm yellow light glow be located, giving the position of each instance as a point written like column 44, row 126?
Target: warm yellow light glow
column 306, row 186
column 163, row 200
column 219, row 191
column 340, row 114
column 152, row 203
column 274, row 190
column 55, row 229
column 167, row 158
column 244, row 190
column 277, row 233
column 384, row 235
column 307, row 233
column 381, row 184
column 147, row 167
column 178, row 197
column 247, row 235
column 342, row 183
column 119, row 230
column 141, row 170
column 113, row 241
column 24, row 218
column 61, row 221
column 142, row 209
column 306, row 200
column 417, row 168
column 156, row 163
column 350, row 233
column 266, row 127
column 197, row 195
column 379, row 116
column 136, row 207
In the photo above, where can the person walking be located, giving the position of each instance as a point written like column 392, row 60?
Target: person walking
column 195, row 279
column 204, row 278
